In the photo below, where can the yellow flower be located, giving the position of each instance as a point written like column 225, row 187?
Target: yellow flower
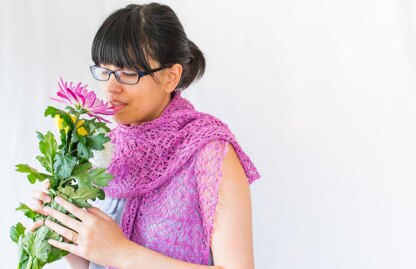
column 80, row 130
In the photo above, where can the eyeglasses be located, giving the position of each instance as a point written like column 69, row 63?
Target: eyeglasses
column 129, row 77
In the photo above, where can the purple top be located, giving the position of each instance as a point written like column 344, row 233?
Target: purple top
column 168, row 169
column 197, row 190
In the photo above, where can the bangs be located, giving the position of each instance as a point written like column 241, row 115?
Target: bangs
column 119, row 42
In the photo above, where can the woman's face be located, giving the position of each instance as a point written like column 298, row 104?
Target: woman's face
column 142, row 102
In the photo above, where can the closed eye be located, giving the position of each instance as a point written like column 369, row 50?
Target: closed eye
column 103, row 71
column 127, row 73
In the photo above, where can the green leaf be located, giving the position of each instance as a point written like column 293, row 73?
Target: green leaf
column 63, row 165
column 53, row 111
column 75, row 137
column 54, row 181
column 102, row 127
column 81, row 168
column 28, row 212
column 93, row 126
column 29, row 243
column 16, row 231
column 37, row 264
column 83, row 151
column 68, row 191
column 85, row 193
column 30, row 263
column 45, row 162
column 47, row 143
column 101, row 195
column 55, row 253
column 38, row 249
column 71, row 110
column 97, row 141
column 80, row 196
column 66, row 118
column 33, row 174
column 50, row 110
column 58, row 207
column 41, row 245
column 22, row 255
column 64, row 139
column 97, row 176
column 48, row 147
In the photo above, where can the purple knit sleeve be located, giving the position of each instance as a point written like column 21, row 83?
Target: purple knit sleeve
column 208, row 174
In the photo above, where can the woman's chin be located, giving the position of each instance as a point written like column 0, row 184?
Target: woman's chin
column 119, row 119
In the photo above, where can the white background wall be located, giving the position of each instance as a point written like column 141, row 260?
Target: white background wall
column 320, row 94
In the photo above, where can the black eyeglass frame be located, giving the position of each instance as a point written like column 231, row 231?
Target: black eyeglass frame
column 116, row 73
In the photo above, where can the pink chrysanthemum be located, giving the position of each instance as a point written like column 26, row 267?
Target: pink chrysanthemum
column 79, row 97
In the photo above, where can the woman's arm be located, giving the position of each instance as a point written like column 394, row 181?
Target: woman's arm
column 232, row 240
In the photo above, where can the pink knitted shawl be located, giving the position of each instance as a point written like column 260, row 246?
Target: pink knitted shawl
column 147, row 156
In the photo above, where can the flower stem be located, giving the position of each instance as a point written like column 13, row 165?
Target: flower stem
column 61, row 184
column 29, row 264
column 77, row 115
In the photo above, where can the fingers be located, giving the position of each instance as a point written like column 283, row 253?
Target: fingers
column 97, row 212
column 65, row 246
column 35, row 225
column 65, row 232
column 37, row 206
column 47, row 185
column 76, row 211
column 65, row 219
column 40, row 195
column 39, row 198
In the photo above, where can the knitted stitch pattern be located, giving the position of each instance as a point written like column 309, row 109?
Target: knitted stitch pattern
column 147, row 157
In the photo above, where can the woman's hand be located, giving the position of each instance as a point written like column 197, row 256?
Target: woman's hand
column 96, row 237
column 39, row 197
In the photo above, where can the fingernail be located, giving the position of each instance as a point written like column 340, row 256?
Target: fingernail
column 58, row 199
column 46, row 209
column 48, row 199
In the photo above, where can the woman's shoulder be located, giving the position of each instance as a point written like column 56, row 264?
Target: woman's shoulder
column 222, row 154
column 211, row 153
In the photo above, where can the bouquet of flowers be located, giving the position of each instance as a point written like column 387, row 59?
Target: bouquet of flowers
column 68, row 168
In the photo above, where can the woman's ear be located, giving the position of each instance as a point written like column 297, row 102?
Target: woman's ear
column 173, row 75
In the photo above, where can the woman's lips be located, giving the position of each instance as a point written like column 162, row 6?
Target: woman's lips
column 118, row 105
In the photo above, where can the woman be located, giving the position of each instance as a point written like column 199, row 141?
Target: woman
column 180, row 196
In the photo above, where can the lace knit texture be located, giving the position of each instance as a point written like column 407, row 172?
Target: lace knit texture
column 155, row 167
column 202, row 201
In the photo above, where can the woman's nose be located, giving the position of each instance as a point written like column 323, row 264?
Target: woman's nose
column 112, row 85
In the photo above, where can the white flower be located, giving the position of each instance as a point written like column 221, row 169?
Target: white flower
column 102, row 158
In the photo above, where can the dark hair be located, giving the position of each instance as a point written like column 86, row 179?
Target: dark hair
column 132, row 34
